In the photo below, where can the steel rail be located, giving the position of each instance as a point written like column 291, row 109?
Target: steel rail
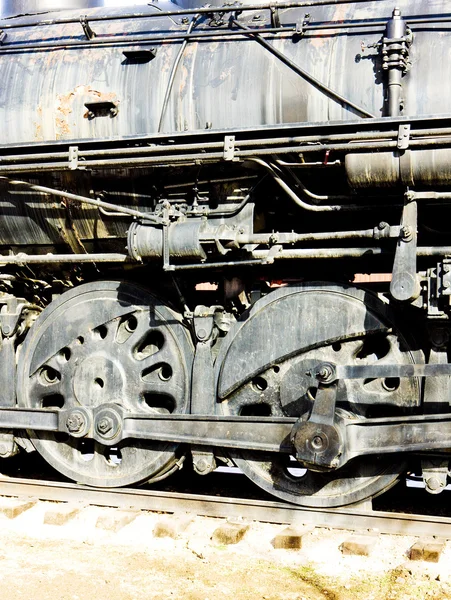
column 354, row 517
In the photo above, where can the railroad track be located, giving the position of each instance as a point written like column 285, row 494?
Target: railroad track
column 357, row 517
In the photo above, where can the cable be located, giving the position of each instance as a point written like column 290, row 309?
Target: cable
column 300, row 71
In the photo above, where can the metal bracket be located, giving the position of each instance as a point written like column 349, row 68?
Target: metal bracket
column 140, row 56
column 8, row 446
column 445, row 278
column 203, row 380
column 10, row 314
column 403, row 137
column 404, row 285
column 204, row 461
column 275, row 17
column 318, row 441
column 101, row 109
column 3, row 37
column 73, row 158
column 89, row 33
column 301, row 27
column 229, row 147
column 435, row 475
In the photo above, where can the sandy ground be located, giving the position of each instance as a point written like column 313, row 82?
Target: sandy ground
column 79, row 561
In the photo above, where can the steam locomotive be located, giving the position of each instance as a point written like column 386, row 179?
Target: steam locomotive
column 224, row 235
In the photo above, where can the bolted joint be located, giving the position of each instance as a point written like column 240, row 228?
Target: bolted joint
column 108, row 424
column 75, row 423
column 325, row 373
column 105, row 425
column 406, row 233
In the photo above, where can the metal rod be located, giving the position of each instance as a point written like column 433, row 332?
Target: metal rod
column 295, row 238
column 187, row 11
column 24, row 259
column 204, row 158
column 216, row 265
column 243, row 143
column 174, row 72
column 138, row 40
column 304, row 74
column 84, row 200
column 316, row 253
column 307, row 205
column 146, row 38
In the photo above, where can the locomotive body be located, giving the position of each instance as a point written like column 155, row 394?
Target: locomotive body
column 189, row 197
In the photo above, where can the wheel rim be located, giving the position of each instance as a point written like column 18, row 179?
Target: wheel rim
column 100, row 343
column 281, row 388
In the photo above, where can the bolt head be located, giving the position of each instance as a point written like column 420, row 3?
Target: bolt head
column 433, row 483
column 75, row 423
column 105, row 425
column 324, row 373
column 202, row 334
column 317, row 442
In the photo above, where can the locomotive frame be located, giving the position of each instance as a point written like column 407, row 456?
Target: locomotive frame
column 340, row 380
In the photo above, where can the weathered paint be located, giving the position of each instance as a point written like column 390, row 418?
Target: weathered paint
column 227, row 82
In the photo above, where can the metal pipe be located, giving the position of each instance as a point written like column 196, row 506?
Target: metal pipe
column 204, row 158
column 396, row 29
column 317, row 253
column 138, row 40
column 304, row 74
column 187, row 11
column 145, row 38
column 243, row 143
column 26, row 259
column 306, row 205
column 174, row 72
column 309, row 253
column 217, row 265
column 84, row 200
column 294, row 238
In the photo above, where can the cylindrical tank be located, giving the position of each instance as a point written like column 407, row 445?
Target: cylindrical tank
column 9, row 8
column 62, row 83
column 221, row 82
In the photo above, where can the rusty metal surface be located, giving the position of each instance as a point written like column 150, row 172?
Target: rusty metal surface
column 220, row 83
column 224, row 82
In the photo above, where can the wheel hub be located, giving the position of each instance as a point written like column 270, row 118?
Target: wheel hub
column 101, row 346
column 266, row 368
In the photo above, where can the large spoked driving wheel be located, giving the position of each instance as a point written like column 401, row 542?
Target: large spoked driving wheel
column 106, row 342
column 263, row 369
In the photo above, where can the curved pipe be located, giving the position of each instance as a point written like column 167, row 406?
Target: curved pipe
column 313, row 207
column 305, row 205
column 297, row 69
column 84, row 200
column 174, row 72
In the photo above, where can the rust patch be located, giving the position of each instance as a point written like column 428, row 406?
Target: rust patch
column 78, row 97
column 321, row 36
column 38, row 125
column 186, row 67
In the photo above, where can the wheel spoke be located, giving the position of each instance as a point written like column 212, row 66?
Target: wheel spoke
column 100, row 365
column 361, row 478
